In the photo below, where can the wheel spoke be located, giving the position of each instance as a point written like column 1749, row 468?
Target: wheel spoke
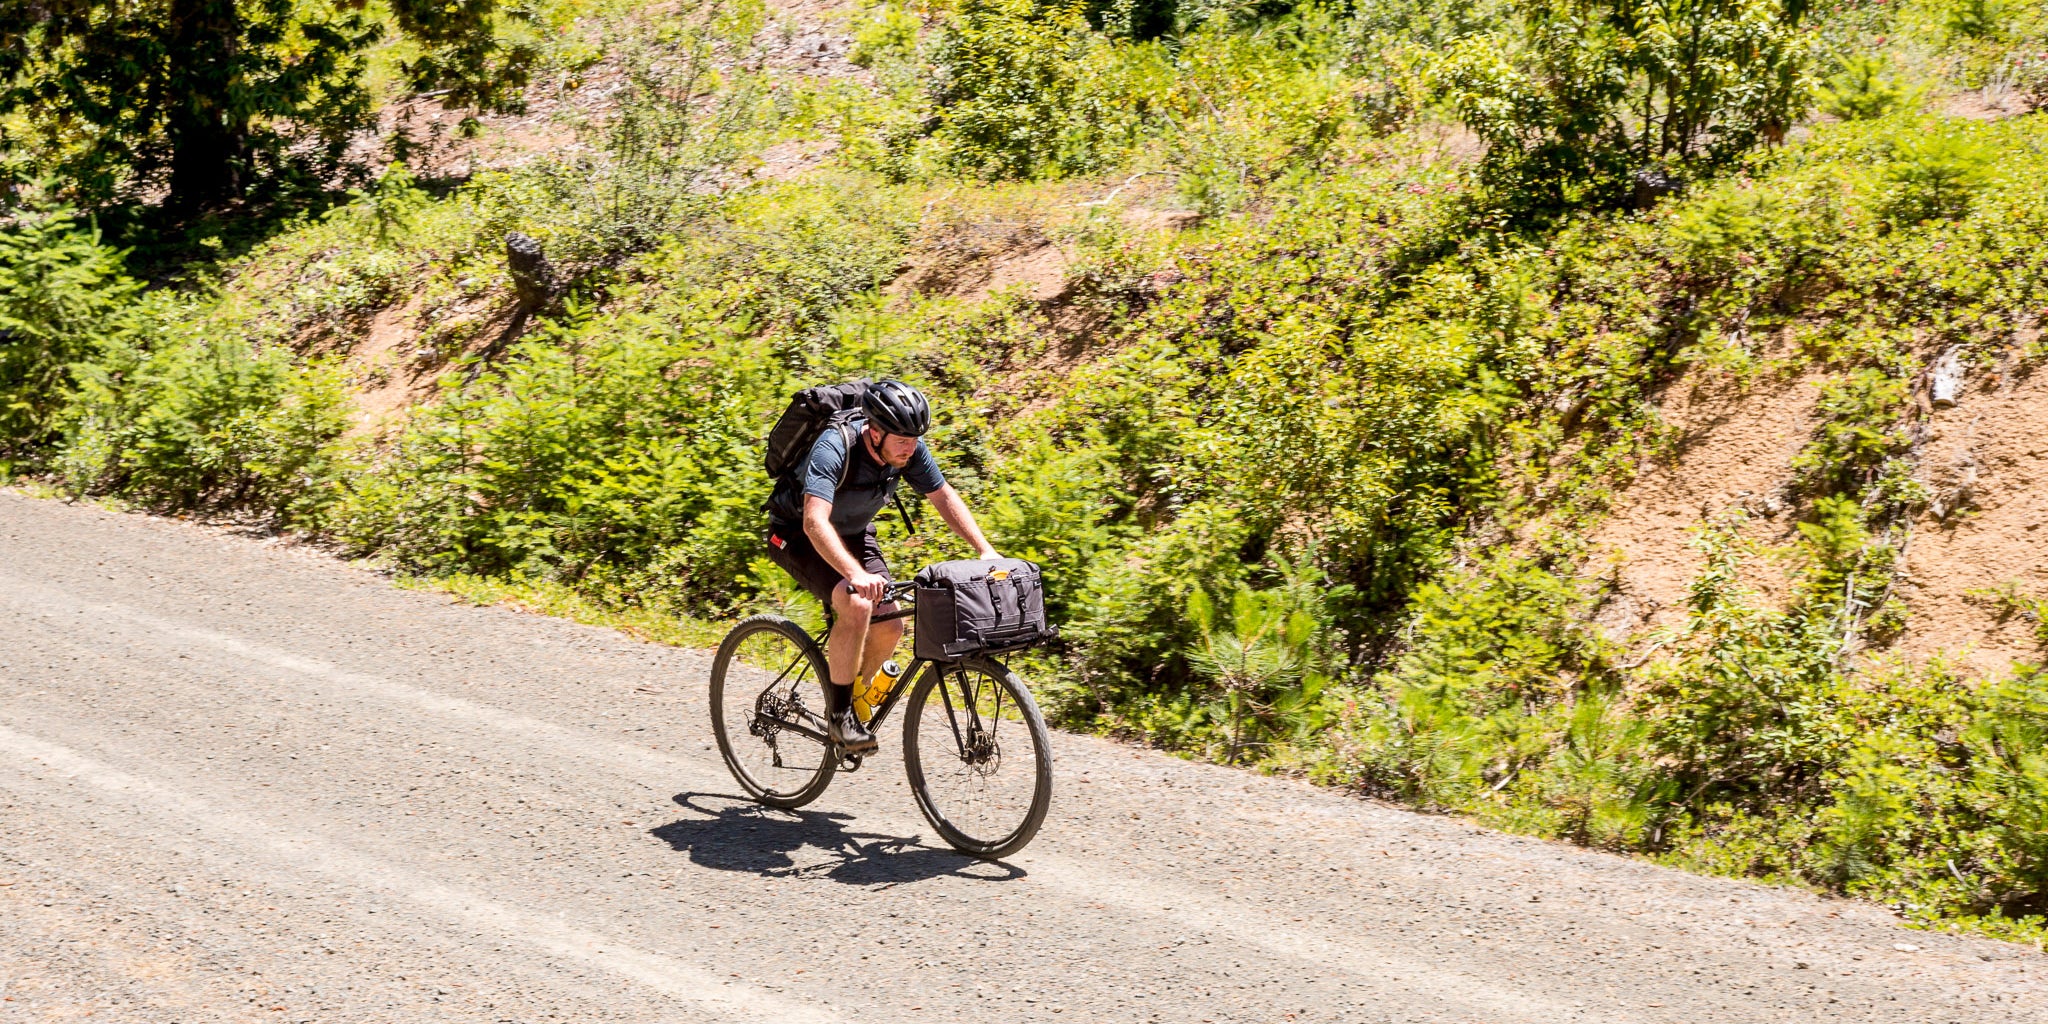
column 983, row 786
column 761, row 718
column 796, row 658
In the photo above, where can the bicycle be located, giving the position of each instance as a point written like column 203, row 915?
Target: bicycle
column 956, row 749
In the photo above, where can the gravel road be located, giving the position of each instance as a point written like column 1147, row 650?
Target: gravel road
column 242, row 781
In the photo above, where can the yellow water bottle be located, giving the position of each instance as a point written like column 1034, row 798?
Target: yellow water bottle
column 869, row 694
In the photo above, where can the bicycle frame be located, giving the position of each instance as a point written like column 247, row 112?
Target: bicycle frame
column 815, row 729
column 909, row 677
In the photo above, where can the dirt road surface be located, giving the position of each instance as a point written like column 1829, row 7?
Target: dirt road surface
column 240, row 781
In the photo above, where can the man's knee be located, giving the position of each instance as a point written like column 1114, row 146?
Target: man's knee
column 851, row 607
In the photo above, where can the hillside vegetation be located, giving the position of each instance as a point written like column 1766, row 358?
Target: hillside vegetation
column 1315, row 351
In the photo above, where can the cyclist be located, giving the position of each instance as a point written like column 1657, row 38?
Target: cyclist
column 821, row 530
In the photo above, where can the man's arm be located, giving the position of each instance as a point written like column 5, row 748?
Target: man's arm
column 947, row 502
column 818, row 527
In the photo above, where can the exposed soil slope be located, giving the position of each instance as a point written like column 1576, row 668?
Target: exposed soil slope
column 1985, row 459
column 1735, row 452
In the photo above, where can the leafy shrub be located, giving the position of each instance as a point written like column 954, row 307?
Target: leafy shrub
column 1265, row 661
column 196, row 421
column 890, row 33
column 1601, row 785
column 1742, row 702
column 1028, row 88
column 1859, row 431
column 1862, row 89
column 1507, row 634
column 63, row 297
column 1934, row 178
column 564, row 465
column 2008, row 744
column 1588, row 93
column 1976, row 19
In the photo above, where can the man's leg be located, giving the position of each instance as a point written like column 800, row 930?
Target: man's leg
column 851, row 614
column 790, row 549
column 882, row 639
column 843, row 647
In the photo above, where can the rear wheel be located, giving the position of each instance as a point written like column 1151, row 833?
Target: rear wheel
column 979, row 757
column 767, row 701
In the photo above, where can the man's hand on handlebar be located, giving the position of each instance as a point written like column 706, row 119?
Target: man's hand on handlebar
column 867, row 585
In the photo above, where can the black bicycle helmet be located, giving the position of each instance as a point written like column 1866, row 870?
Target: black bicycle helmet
column 894, row 407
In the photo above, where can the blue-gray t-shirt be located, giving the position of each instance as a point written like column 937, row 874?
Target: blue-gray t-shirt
column 868, row 486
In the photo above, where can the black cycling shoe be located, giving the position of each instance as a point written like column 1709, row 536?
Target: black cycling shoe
column 851, row 736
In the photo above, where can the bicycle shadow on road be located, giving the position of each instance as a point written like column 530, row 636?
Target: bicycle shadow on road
column 733, row 833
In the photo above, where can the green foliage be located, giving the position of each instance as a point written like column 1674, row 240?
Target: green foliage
column 564, row 465
column 1743, row 695
column 1976, row 19
column 63, row 297
column 1029, row 89
column 1507, row 636
column 680, row 118
column 192, row 421
column 889, row 35
column 1859, row 431
column 1600, row 786
column 1262, row 662
column 1933, row 178
column 1863, row 89
column 1585, row 93
column 463, row 52
column 204, row 98
column 2008, row 746
column 1039, row 89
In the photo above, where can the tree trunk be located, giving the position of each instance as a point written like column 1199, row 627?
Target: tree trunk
column 207, row 122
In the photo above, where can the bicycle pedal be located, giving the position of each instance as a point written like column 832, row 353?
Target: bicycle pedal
column 849, row 762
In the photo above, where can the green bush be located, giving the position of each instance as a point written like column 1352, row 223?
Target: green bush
column 192, row 421
column 1863, row 89
column 1976, row 19
column 585, row 457
column 63, row 298
column 1029, row 88
column 1581, row 95
column 1934, row 178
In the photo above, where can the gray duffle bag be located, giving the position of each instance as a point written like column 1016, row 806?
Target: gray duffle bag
column 978, row 606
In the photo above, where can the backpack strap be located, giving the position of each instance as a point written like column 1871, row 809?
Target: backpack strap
column 850, row 437
column 908, row 525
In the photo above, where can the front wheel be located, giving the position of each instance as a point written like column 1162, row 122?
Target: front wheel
column 979, row 757
column 762, row 680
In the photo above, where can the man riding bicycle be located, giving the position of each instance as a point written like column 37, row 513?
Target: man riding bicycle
column 821, row 531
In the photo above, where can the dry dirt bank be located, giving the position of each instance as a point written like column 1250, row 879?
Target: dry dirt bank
column 1983, row 459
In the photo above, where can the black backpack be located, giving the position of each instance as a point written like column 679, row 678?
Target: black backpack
column 811, row 412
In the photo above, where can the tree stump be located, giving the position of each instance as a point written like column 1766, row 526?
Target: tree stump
column 533, row 277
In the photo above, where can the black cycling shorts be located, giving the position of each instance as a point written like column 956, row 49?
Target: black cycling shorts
column 790, row 548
